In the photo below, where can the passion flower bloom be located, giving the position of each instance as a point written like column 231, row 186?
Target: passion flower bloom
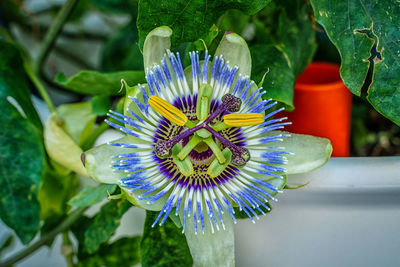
column 200, row 143
column 207, row 144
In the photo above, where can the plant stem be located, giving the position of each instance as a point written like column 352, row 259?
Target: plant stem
column 73, row 217
column 39, row 86
column 53, row 32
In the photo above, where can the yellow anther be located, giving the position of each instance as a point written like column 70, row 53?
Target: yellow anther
column 167, row 110
column 243, row 119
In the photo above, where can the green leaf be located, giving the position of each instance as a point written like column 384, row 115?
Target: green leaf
column 280, row 79
column 235, row 21
column 163, row 245
column 207, row 40
column 54, row 192
column 309, row 152
column 21, row 175
column 77, row 120
column 92, row 195
column 121, row 51
column 104, row 224
column 78, row 228
column 122, row 252
column 212, row 249
column 21, row 149
column 14, row 82
column 60, row 146
column 97, row 83
column 116, row 6
column 101, row 104
column 284, row 48
column 189, row 21
column 367, row 35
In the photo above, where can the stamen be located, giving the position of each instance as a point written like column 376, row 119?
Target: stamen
column 243, row 119
column 167, row 110
column 229, row 102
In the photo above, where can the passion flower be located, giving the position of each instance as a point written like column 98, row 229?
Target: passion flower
column 207, row 143
column 200, row 144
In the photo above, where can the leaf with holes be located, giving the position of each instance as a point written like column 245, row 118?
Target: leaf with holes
column 367, row 34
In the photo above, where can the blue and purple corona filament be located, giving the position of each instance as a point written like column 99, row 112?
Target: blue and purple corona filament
column 205, row 145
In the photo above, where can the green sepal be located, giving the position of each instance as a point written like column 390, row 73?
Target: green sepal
column 61, row 147
column 98, row 160
column 155, row 46
column 211, row 249
column 70, row 114
column 308, row 152
column 235, row 50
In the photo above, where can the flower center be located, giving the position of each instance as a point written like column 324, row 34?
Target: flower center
column 203, row 134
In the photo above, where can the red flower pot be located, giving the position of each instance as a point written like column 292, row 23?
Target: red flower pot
column 322, row 106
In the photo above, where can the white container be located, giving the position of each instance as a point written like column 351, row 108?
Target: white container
column 349, row 215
